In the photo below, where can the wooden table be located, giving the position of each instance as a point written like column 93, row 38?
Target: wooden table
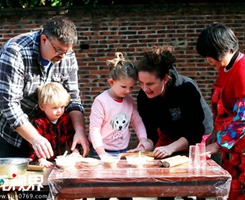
column 149, row 181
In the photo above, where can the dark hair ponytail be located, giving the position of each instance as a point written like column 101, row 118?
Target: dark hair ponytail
column 158, row 60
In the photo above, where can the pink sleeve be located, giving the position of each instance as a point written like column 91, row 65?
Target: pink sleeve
column 138, row 124
column 96, row 119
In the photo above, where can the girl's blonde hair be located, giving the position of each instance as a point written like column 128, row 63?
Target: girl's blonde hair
column 121, row 67
column 53, row 93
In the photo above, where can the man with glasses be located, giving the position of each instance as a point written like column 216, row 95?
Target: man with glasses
column 26, row 62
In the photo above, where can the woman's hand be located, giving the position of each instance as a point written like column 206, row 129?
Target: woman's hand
column 212, row 148
column 211, row 139
column 162, row 151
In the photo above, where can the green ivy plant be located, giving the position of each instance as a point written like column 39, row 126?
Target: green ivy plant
column 72, row 3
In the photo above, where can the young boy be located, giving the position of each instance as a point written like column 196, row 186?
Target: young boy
column 53, row 123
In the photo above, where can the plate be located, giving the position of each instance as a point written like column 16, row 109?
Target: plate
column 110, row 160
column 139, row 161
column 88, row 161
column 65, row 162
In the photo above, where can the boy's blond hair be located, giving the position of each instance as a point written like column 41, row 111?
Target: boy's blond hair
column 53, row 93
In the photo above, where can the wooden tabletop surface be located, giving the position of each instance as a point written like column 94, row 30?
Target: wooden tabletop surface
column 149, row 181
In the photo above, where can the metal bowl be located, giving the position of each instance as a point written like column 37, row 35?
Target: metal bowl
column 12, row 167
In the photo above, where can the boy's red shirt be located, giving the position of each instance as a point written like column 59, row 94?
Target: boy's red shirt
column 59, row 134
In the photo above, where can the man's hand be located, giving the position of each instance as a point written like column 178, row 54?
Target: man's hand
column 40, row 144
column 80, row 136
column 42, row 147
column 81, row 139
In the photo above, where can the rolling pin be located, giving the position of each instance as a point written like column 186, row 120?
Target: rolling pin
column 173, row 161
column 36, row 168
column 149, row 153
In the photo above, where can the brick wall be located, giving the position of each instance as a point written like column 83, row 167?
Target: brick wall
column 104, row 30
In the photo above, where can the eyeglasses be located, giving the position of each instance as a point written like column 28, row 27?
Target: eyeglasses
column 59, row 52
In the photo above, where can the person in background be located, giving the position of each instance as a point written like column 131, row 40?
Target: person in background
column 219, row 45
column 53, row 123
column 172, row 107
column 28, row 61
